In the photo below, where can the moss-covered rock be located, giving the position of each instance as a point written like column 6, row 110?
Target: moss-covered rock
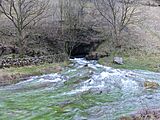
column 145, row 114
column 151, row 85
column 126, row 118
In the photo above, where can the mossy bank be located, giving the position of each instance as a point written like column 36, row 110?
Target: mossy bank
column 133, row 62
column 13, row 75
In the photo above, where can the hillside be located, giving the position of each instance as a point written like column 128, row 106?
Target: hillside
column 148, row 31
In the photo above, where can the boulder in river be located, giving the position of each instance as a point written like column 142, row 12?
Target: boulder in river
column 96, row 55
column 92, row 56
column 145, row 114
column 118, row 60
column 151, row 85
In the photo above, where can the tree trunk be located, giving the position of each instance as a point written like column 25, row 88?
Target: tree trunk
column 21, row 44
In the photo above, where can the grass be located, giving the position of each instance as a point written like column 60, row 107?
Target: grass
column 144, row 62
column 14, row 75
column 34, row 69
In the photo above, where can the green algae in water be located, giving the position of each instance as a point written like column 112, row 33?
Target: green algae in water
column 48, row 105
column 67, row 100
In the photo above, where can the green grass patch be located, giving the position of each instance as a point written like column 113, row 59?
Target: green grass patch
column 34, row 68
column 145, row 62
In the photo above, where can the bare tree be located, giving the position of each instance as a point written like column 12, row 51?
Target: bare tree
column 118, row 14
column 71, row 18
column 22, row 14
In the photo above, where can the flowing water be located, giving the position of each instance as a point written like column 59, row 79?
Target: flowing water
column 84, row 90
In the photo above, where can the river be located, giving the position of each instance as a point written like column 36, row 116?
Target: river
column 85, row 90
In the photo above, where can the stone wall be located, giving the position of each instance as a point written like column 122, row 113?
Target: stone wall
column 20, row 62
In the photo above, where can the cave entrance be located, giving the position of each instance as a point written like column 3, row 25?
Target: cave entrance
column 81, row 50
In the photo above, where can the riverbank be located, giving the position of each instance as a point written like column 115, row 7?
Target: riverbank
column 12, row 75
column 139, row 62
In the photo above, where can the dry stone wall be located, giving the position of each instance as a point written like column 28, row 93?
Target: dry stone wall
column 20, row 62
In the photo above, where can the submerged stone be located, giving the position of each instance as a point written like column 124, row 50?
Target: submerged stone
column 151, row 85
column 126, row 118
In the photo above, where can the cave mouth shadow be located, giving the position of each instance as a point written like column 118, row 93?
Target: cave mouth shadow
column 81, row 50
